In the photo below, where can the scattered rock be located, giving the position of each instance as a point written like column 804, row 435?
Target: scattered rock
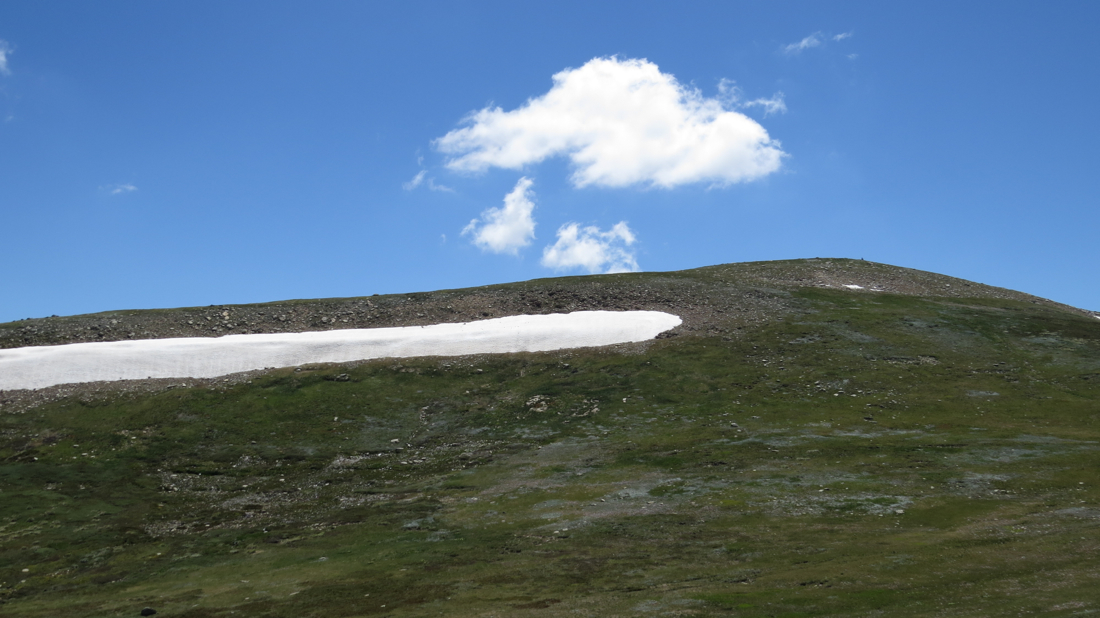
column 538, row 403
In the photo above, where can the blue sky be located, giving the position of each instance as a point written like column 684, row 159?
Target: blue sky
column 192, row 153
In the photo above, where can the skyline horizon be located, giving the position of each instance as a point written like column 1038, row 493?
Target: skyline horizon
column 1095, row 312
column 175, row 155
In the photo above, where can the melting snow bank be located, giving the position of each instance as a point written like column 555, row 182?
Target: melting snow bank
column 205, row 357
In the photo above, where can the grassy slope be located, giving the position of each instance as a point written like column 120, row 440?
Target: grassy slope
column 847, row 459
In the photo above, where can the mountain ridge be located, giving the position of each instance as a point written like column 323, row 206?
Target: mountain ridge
column 757, row 288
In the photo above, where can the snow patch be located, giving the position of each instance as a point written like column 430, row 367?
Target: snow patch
column 206, row 357
column 853, row 286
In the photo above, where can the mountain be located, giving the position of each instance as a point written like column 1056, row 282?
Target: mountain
column 819, row 437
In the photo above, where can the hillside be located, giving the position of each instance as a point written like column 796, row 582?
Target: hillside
column 819, row 437
column 707, row 298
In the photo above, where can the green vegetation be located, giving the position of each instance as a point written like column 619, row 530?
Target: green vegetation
column 860, row 454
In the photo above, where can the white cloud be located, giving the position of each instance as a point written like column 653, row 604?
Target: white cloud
column 120, row 188
column 592, row 249
column 842, row 36
column 774, row 105
column 5, row 51
column 507, row 229
column 813, row 40
column 621, row 123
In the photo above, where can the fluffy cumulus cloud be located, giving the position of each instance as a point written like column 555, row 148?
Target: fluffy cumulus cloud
column 5, row 51
column 592, row 249
column 621, row 122
column 507, row 229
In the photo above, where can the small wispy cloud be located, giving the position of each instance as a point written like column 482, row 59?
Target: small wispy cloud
column 774, row 105
column 592, row 249
column 422, row 178
column 729, row 93
column 119, row 188
column 507, row 229
column 416, row 180
column 5, row 50
column 814, row 40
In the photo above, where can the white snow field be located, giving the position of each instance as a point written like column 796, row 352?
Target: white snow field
column 207, row 357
